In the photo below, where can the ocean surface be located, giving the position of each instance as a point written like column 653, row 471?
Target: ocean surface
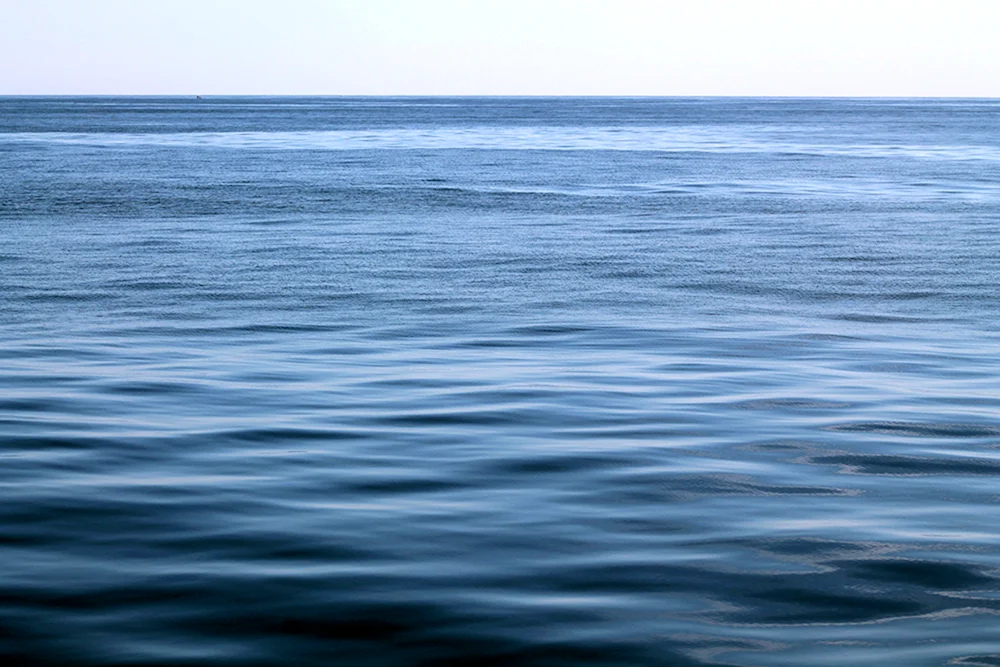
column 394, row 382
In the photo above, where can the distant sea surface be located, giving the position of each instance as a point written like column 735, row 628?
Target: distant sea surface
column 406, row 382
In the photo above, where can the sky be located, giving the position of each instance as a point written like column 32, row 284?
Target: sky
column 925, row 48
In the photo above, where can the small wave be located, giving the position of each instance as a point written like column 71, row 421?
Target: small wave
column 789, row 404
column 923, row 430
column 869, row 464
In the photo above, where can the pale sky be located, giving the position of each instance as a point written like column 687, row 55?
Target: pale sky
column 513, row 47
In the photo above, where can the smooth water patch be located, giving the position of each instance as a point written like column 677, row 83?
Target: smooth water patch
column 730, row 138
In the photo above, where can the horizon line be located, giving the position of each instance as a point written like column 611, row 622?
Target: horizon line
column 510, row 96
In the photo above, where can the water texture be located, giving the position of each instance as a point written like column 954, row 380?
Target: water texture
column 478, row 381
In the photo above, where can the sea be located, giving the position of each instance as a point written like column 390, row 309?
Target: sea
column 528, row 382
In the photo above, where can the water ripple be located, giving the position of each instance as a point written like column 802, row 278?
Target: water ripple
column 402, row 382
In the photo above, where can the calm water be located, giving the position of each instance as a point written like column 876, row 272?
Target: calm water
column 533, row 382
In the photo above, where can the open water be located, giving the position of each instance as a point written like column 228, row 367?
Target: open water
column 403, row 382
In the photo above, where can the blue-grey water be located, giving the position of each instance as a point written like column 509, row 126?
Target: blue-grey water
column 532, row 382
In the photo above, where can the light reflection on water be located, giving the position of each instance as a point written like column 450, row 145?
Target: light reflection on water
column 748, row 139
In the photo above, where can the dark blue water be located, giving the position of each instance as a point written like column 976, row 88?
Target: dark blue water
column 533, row 382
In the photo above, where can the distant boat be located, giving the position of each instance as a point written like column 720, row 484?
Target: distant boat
column 198, row 97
